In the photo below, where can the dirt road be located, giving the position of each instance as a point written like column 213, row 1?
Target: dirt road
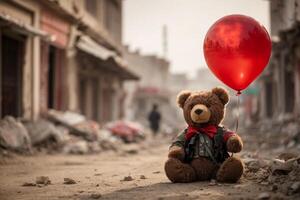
column 101, row 177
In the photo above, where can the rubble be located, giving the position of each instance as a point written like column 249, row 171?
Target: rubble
column 13, row 135
column 281, row 166
column 69, row 133
column 127, row 178
column 44, row 180
column 295, row 187
column 127, row 131
column 76, row 123
column 76, row 147
column 28, row 184
column 143, row 177
column 282, row 176
column 44, row 134
column 69, row 181
column 264, row 196
column 95, row 196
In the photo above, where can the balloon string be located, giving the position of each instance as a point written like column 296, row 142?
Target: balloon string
column 238, row 111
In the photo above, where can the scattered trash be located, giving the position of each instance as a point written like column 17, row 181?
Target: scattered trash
column 44, row 180
column 69, row 181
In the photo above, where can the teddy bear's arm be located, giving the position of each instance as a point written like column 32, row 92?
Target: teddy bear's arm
column 177, row 148
column 179, row 140
column 234, row 144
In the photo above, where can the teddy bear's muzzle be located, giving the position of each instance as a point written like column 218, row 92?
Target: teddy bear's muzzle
column 200, row 114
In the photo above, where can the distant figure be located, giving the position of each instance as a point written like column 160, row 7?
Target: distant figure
column 154, row 119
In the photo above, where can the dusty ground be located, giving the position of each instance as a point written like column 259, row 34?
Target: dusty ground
column 103, row 174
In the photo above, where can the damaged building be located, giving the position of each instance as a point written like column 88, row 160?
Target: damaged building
column 153, row 88
column 62, row 55
column 279, row 99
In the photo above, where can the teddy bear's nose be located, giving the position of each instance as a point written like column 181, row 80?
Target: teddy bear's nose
column 198, row 111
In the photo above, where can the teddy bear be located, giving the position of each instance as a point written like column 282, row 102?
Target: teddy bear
column 201, row 151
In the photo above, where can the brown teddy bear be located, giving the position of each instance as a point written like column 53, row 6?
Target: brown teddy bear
column 200, row 152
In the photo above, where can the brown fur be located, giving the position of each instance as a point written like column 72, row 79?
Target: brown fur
column 204, row 168
column 176, row 152
column 222, row 94
column 201, row 168
column 178, row 172
column 231, row 170
column 181, row 98
column 234, row 144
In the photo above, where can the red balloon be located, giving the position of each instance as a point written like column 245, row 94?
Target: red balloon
column 237, row 49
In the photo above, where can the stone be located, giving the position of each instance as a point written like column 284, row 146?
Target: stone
column 142, row 177
column 95, row 196
column 69, row 181
column 264, row 196
column 295, row 187
column 77, row 147
column 13, row 135
column 44, row 180
column 42, row 131
column 28, row 184
column 127, row 178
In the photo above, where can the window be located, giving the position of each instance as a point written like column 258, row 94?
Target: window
column 91, row 7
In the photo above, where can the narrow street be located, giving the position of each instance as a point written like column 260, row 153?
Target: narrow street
column 102, row 177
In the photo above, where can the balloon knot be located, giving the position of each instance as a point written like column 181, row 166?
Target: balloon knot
column 238, row 93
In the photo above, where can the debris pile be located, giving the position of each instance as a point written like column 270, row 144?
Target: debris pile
column 13, row 135
column 127, row 131
column 66, row 132
column 282, row 176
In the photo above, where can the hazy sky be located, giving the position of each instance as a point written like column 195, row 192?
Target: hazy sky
column 187, row 22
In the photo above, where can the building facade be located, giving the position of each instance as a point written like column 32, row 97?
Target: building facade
column 152, row 88
column 279, row 98
column 63, row 55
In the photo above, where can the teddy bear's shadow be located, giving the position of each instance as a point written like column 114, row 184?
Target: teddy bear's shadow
column 167, row 190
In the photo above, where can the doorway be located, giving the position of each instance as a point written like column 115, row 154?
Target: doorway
column 11, row 75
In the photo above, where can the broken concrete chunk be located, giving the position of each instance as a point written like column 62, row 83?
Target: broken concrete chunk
column 13, row 135
column 42, row 131
column 278, row 165
column 69, row 181
column 295, row 187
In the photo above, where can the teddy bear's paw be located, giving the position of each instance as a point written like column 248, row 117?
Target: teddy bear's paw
column 204, row 168
column 234, row 144
column 179, row 172
column 176, row 152
column 231, row 170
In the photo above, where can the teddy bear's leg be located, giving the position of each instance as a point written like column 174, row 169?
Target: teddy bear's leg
column 179, row 172
column 204, row 168
column 231, row 170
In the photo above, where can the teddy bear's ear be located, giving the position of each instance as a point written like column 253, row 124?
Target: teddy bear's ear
column 222, row 94
column 182, row 97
